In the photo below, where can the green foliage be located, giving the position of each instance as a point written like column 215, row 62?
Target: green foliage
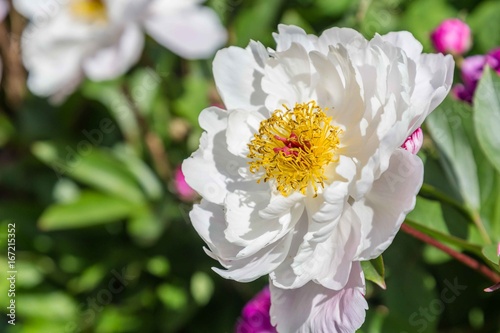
column 374, row 271
column 105, row 243
column 487, row 116
column 483, row 20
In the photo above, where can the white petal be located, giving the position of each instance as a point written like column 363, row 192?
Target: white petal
column 324, row 256
column 29, row 8
column 202, row 170
column 242, row 125
column 314, row 308
column 287, row 79
column 238, row 75
column 432, row 84
column 260, row 264
column 249, row 228
column 339, row 91
column 208, row 220
column 192, row 32
column 125, row 12
column 289, row 34
column 406, row 41
column 344, row 36
column 386, row 205
column 115, row 60
column 323, row 248
column 53, row 67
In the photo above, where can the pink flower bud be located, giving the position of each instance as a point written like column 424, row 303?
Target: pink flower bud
column 452, row 36
column 414, row 142
column 255, row 316
column 182, row 188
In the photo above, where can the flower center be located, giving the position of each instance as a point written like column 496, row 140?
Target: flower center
column 90, row 10
column 294, row 147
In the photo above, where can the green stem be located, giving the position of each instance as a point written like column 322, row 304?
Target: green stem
column 153, row 142
column 476, row 218
column 431, row 192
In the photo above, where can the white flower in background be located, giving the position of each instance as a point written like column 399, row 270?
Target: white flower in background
column 304, row 175
column 4, row 9
column 101, row 39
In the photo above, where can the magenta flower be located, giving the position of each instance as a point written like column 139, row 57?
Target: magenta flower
column 414, row 142
column 472, row 70
column 493, row 59
column 255, row 316
column 452, row 36
column 184, row 191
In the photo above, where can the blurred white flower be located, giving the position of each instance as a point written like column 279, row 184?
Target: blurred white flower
column 101, row 39
column 4, row 9
column 304, row 176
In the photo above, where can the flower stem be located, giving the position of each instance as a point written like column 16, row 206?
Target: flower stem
column 431, row 192
column 153, row 142
column 463, row 258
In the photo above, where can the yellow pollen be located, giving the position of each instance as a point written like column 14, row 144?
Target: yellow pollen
column 293, row 147
column 90, row 10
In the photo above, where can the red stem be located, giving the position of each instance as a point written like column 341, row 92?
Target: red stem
column 465, row 259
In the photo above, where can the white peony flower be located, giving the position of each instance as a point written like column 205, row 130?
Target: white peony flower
column 304, row 176
column 101, row 39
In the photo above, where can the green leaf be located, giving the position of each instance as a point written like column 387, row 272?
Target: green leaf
column 487, row 116
column 159, row 266
column 112, row 95
column 408, row 288
column 256, row 22
column 145, row 227
column 374, row 271
column 6, row 129
column 144, row 84
column 423, row 16
column 194, row 98
column 88, row 279
column 482, row 21
column 333, row 8
column 490, row 253
column 380, row 17
column 202, row 288
column 57, row 306
column 90, row 209
column 490, row 205
column 447, row 127
column 140, row 170
column 445, row 238
column 172, row 296
column 92, row 166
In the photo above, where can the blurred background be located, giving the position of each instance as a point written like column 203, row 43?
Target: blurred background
column 103, row 239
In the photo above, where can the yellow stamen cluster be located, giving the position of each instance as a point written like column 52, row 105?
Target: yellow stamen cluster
column 90, row 10
column 294, row 147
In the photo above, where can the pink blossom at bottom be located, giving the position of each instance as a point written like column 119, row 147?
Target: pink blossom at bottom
column 255, row 316
column 414, row 142
column 182, row 188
